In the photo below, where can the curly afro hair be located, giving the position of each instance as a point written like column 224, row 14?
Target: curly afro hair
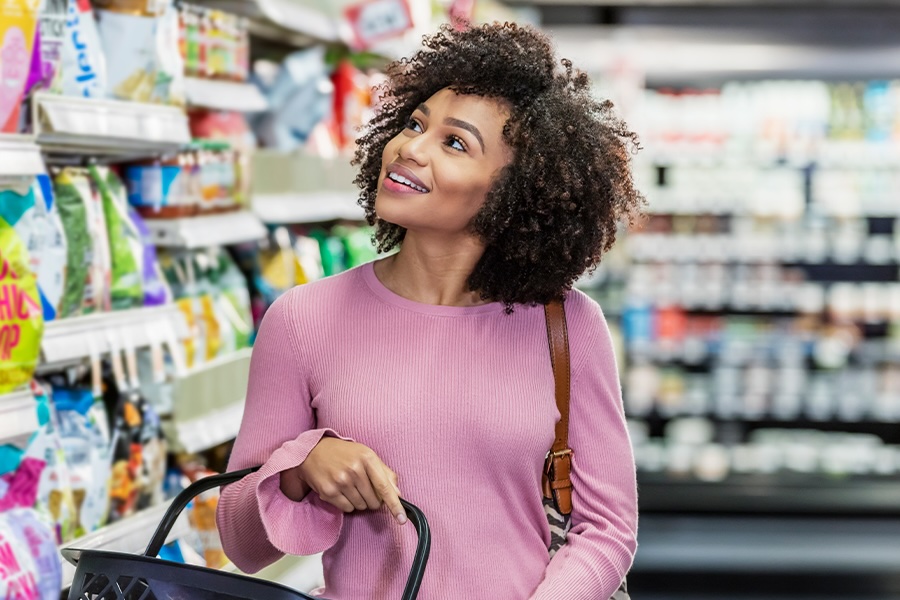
column 555, row 209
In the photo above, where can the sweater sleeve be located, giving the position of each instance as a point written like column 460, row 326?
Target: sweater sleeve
column 601, row 544
column 258, row 524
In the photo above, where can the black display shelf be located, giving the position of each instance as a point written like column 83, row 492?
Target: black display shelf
column 781, row 494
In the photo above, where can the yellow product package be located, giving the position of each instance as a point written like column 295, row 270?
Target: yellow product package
column 141, row 43
column 21, row 315
column 18, row 20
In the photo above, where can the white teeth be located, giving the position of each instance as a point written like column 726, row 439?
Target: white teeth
column 407, row 182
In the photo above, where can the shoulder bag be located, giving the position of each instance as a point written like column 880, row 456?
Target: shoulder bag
column 557, row 486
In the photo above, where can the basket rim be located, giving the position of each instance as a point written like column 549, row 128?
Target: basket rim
column 74, row 556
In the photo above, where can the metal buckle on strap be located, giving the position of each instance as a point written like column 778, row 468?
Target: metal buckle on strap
column 560, row 453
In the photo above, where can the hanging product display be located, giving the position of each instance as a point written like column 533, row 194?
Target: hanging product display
column 46, row 58
column 21, row 315
column 126, row 251
column 83, row 60
column 18, row 20
column 140, row 40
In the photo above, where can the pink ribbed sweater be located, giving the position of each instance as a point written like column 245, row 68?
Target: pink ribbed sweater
column 459, row 402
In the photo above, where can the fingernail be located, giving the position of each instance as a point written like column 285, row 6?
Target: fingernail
column 401, row 518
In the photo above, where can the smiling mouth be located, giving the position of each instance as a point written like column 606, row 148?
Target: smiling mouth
column 404, row 181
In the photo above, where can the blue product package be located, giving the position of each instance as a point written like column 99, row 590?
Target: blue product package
column 153, row 186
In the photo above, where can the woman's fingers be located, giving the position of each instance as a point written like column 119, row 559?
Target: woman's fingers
column 355, row 498
column 349, row 476
column 379, row 475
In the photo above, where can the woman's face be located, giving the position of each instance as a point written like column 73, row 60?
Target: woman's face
column 436, row 173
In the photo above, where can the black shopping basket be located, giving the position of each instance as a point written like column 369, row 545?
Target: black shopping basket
column 102, row 575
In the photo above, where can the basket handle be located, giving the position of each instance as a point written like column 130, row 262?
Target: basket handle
column 415, row 515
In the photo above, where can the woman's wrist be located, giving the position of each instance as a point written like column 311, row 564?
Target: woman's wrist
column 292, row 486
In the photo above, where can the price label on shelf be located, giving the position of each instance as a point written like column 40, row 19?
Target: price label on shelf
column 377, row 20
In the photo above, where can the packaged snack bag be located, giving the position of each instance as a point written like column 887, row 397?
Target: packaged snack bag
column 18, row 573
column 46, row 57
column 126, row 251
column 156, row 291
column 233, row 298
column 202, row 516
column 87, row 455
column 153, row 455
column 73, row 185
column 127, row 459
column 21, row 318
column 83, row 62
column 79, row 246
column 180, row 273
column 35, row 535
column 42, row 231
column 18, row 19
column 54, row 496
column 141, row 43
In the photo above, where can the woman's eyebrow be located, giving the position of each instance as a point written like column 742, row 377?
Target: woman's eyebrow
column 467, row 126
column 424, row 109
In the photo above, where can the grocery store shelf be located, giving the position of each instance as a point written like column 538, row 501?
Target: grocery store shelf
column 766, row 545
column 18, row 416
column 130, row 535
column 309, row 207
column 207, row 230
column 224, row 95
column 19, row 155
column 208, row 403
column 73, row 339
column 688, row 55
column 107, row 128
column 212, row 429
column 770, row 494
column 286, row 21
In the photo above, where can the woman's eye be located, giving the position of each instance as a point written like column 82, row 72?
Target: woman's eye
column 414, row 125
column 456, row 143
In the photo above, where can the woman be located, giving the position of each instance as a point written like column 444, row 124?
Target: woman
column 426, row 374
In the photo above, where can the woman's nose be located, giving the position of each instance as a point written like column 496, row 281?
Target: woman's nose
column 414, row 149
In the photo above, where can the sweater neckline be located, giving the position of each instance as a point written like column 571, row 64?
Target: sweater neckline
column 385, row 294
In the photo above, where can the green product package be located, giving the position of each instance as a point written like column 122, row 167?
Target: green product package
column 126, row 251
column 79, row 256
column 334, row 258
column 21, row 316
column 357, row 244
column 234, row 298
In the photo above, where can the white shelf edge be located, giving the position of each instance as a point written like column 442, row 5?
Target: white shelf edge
column 18, row 415
column 302, row 19
column 225, row 95
column 130, row 535
column 213, row 428
column 220, row 361
column 206, row 230
column 307, row 207
column 96, row 126
column 20, row 155
column 66, row 340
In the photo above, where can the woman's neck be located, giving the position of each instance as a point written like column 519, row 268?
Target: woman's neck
column 432, row 273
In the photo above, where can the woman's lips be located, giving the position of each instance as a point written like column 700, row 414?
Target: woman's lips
column 404, row 172
column 398, row 188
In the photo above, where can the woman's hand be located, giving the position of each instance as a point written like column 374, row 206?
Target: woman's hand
column 347, row 475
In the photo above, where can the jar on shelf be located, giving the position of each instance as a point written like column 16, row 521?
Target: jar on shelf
column 156, row 188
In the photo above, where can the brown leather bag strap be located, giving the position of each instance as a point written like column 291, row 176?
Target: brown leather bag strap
column 558, row 337
column 557, row 469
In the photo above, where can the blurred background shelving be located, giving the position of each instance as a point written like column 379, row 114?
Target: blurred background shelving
column 756, row 310
column 757, row 305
